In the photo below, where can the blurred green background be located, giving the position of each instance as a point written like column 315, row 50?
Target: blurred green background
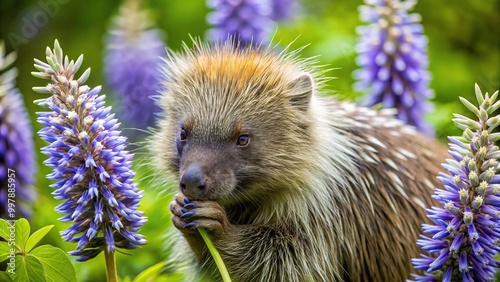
column 463, row 49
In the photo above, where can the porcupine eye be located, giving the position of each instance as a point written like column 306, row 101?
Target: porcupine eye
column 183, row 135
column 243, row 140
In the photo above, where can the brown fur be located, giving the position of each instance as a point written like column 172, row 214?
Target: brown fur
column 325, row 191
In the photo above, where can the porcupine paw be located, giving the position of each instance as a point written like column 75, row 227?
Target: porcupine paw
column 190, row 215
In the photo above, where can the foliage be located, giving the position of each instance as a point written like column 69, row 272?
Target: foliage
column 27, row 263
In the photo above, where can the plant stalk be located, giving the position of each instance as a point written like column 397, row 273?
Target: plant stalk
column 111, row 274
column 215, row 255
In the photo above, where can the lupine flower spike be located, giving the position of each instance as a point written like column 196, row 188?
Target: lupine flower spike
column 131, row 67
column 90, row 164
column 465, row 236
column 284, row 10
column 393, row 59
column 17, row 156
column 247, row 21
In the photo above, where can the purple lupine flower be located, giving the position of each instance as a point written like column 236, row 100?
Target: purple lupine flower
column 247, row 21
column 90, row 164
column 284, row 10
column 131, row 67
column 17, row 155
column 465, row 236
column 393, row 59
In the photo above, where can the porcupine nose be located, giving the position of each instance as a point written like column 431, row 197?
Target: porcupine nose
column 192, row 182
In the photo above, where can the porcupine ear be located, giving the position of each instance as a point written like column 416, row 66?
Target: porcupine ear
column 301, row 90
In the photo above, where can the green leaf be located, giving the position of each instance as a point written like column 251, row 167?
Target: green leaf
column 173, row 277
column 5, row 277
column 150, row 273
column 22, row 233
column 56, row 263
column 36, row 237
column 4, row 251
column 28, row 269
column 4, row 229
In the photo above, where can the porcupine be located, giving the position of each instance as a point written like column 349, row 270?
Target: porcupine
column 291, row 185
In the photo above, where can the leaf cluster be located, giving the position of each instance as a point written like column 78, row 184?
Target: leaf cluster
column 27, row 263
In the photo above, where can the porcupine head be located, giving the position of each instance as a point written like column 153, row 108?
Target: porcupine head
column 237, row 125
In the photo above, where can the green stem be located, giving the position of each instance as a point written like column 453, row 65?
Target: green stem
column 111, row 274
column 215, row 254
